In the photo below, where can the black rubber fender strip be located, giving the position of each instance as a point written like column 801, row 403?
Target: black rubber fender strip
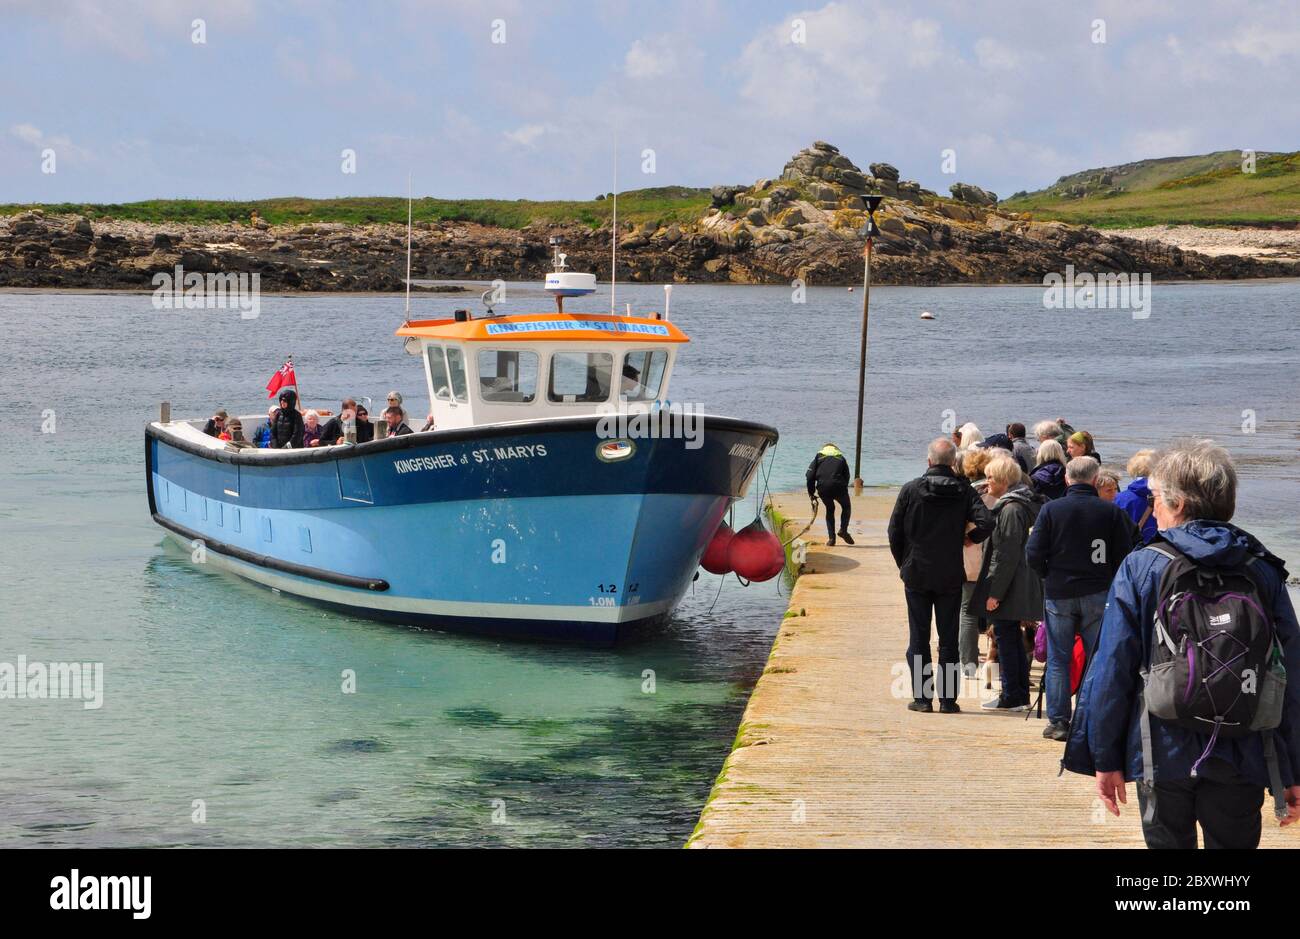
column 275, row 564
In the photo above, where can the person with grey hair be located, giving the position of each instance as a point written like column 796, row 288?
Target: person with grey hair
column 1047, row 430
column 1187, row 777
column 927, row 531
column 1008, row 590
column 1048, row 474
column 1107, row 484
column 1076, row 546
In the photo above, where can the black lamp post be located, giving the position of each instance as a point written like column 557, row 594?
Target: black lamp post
column 870, row 230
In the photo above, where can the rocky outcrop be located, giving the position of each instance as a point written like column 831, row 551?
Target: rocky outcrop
column 966, row 192
column 53, row 251
column 808, row 223
column 724, row 195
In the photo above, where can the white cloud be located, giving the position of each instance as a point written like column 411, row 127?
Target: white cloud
column 1263, row 44
column 27, row 133
column 996, row 56
column 847, row 57
column 129, row 28
column 312, row 67
column 61, row 144
column 650, row 58
column 529, row 134
column 1165, row 142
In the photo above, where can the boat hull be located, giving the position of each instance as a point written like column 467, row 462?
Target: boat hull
column 540, row 530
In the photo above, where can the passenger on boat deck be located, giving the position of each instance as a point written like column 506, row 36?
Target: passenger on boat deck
column 397, row 427
column 311, row 429
column 235, row 434
column 428, row 424
column 286, row 429
column 631, row 386
column 262, row 436
column 395, row 400
column 332, row 432
column 216, row 424
column 365, row 429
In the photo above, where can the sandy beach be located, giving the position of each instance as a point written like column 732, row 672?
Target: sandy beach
column 1264, row 243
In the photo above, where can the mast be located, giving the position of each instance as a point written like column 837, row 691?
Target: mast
column 407, row 317
column 613, row 238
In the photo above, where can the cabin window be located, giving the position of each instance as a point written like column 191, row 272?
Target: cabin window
column 642, row 374
column 438, row 373
column 456, row 368
column 507, row 376
column 580, row 376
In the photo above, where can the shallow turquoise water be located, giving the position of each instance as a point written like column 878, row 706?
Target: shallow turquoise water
column 220, row 691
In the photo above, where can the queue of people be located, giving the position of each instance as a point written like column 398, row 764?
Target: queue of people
column 288, row 426
column 1005, row 538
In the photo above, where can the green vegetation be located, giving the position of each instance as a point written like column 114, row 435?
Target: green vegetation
column 662, row 205
column 1180, row 191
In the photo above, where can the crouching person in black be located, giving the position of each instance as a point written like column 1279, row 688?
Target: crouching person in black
column 828, row 478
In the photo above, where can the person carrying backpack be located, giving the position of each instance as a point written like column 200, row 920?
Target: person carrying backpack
column 1187, row 692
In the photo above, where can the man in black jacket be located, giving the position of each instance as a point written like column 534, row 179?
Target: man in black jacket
column 1076, row 546
column 927, row 531
column 286, row 428
column 828, row 477
column 396, row 426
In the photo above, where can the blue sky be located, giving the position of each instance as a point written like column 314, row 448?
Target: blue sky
column 721, row 91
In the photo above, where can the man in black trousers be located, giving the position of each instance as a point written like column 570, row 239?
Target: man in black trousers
column 828, row 477
column 927, row 532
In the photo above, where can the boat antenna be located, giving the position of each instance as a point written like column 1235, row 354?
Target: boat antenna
column 613, row 235
column 407, row 317
column 558, row 261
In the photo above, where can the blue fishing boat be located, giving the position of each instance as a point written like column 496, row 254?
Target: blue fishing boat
column 562, row 495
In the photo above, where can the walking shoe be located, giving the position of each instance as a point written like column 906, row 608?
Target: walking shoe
column 924, row 706
column 1000, row 704
column 830, row 541
column 949, row 707
column 844, row 533
column 1057, row 731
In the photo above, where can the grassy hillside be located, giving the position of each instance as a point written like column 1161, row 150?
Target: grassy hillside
column 1206, row 190
column 662, row 205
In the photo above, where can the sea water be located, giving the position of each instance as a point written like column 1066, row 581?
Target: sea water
column 224, row 717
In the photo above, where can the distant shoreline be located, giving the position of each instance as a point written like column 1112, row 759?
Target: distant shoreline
column 936, row 243
column 470, row 288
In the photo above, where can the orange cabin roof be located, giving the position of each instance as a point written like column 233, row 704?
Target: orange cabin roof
column 548, row 327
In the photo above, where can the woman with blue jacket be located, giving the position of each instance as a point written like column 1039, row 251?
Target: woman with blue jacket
column 1136, row 498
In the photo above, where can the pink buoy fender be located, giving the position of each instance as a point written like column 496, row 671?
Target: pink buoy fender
column 755, row 553
column 715, row 555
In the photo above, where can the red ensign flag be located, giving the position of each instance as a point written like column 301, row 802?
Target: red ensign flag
column 284, row 376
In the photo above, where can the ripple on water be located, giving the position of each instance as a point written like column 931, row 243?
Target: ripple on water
column 359, row 745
